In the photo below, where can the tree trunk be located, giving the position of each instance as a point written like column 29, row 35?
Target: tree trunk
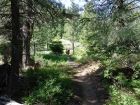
column 27, row 32
column 73, row 43
column 34, row 49
column 20, row 49
column 73, row 47
column 15, row 47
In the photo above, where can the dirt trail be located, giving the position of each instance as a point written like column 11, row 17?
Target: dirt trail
column 88, row 89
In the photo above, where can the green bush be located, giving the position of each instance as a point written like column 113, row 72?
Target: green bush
column 122, row 97
column 56, row 47
column 122, row 83
column 53, row 86
column 39, row 58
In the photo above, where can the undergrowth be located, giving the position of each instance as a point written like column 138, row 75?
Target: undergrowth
column 51, row 83
column 121, row 79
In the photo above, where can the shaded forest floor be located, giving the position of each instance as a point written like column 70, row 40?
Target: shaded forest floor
column 88, row 88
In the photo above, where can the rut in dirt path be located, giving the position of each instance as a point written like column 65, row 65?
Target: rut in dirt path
column 88, row 89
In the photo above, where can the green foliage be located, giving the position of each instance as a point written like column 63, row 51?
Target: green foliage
column 56, row 47
column 112, row 67
column 4, row 47
column 51, row 83
column 122, row 97
column 43, row 34
column 38, row 58
column 53, row 57
column 53, row 86
column 48, row 60
column 121, row 87
column 94, row 33
column 91, row 57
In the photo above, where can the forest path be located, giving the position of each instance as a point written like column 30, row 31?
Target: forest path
column 88, row 89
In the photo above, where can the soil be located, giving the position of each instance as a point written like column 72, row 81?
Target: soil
column 87, row 87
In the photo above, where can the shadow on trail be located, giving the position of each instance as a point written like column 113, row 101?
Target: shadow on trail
column 97, row 78
column 87, row 87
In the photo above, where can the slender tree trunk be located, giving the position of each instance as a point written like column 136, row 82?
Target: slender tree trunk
column 15, row 47
column 27, row 46
column 73, row 44
column 20, row 49
column 27, row 32
column 34, row 48
column 73, row 47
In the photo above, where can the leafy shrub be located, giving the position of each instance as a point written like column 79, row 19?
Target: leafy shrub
column 39, row 58
column 122, row 97
column 56, row 47
column 122, row 83
column 53, row 86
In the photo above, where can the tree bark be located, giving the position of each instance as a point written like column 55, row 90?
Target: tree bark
column 15, row 47
column 73, row 43
column 27, row 32
column 20, row 49
column 34, row 48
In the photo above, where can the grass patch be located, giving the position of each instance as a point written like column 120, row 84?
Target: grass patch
column 48, row 60
column 54, row 57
